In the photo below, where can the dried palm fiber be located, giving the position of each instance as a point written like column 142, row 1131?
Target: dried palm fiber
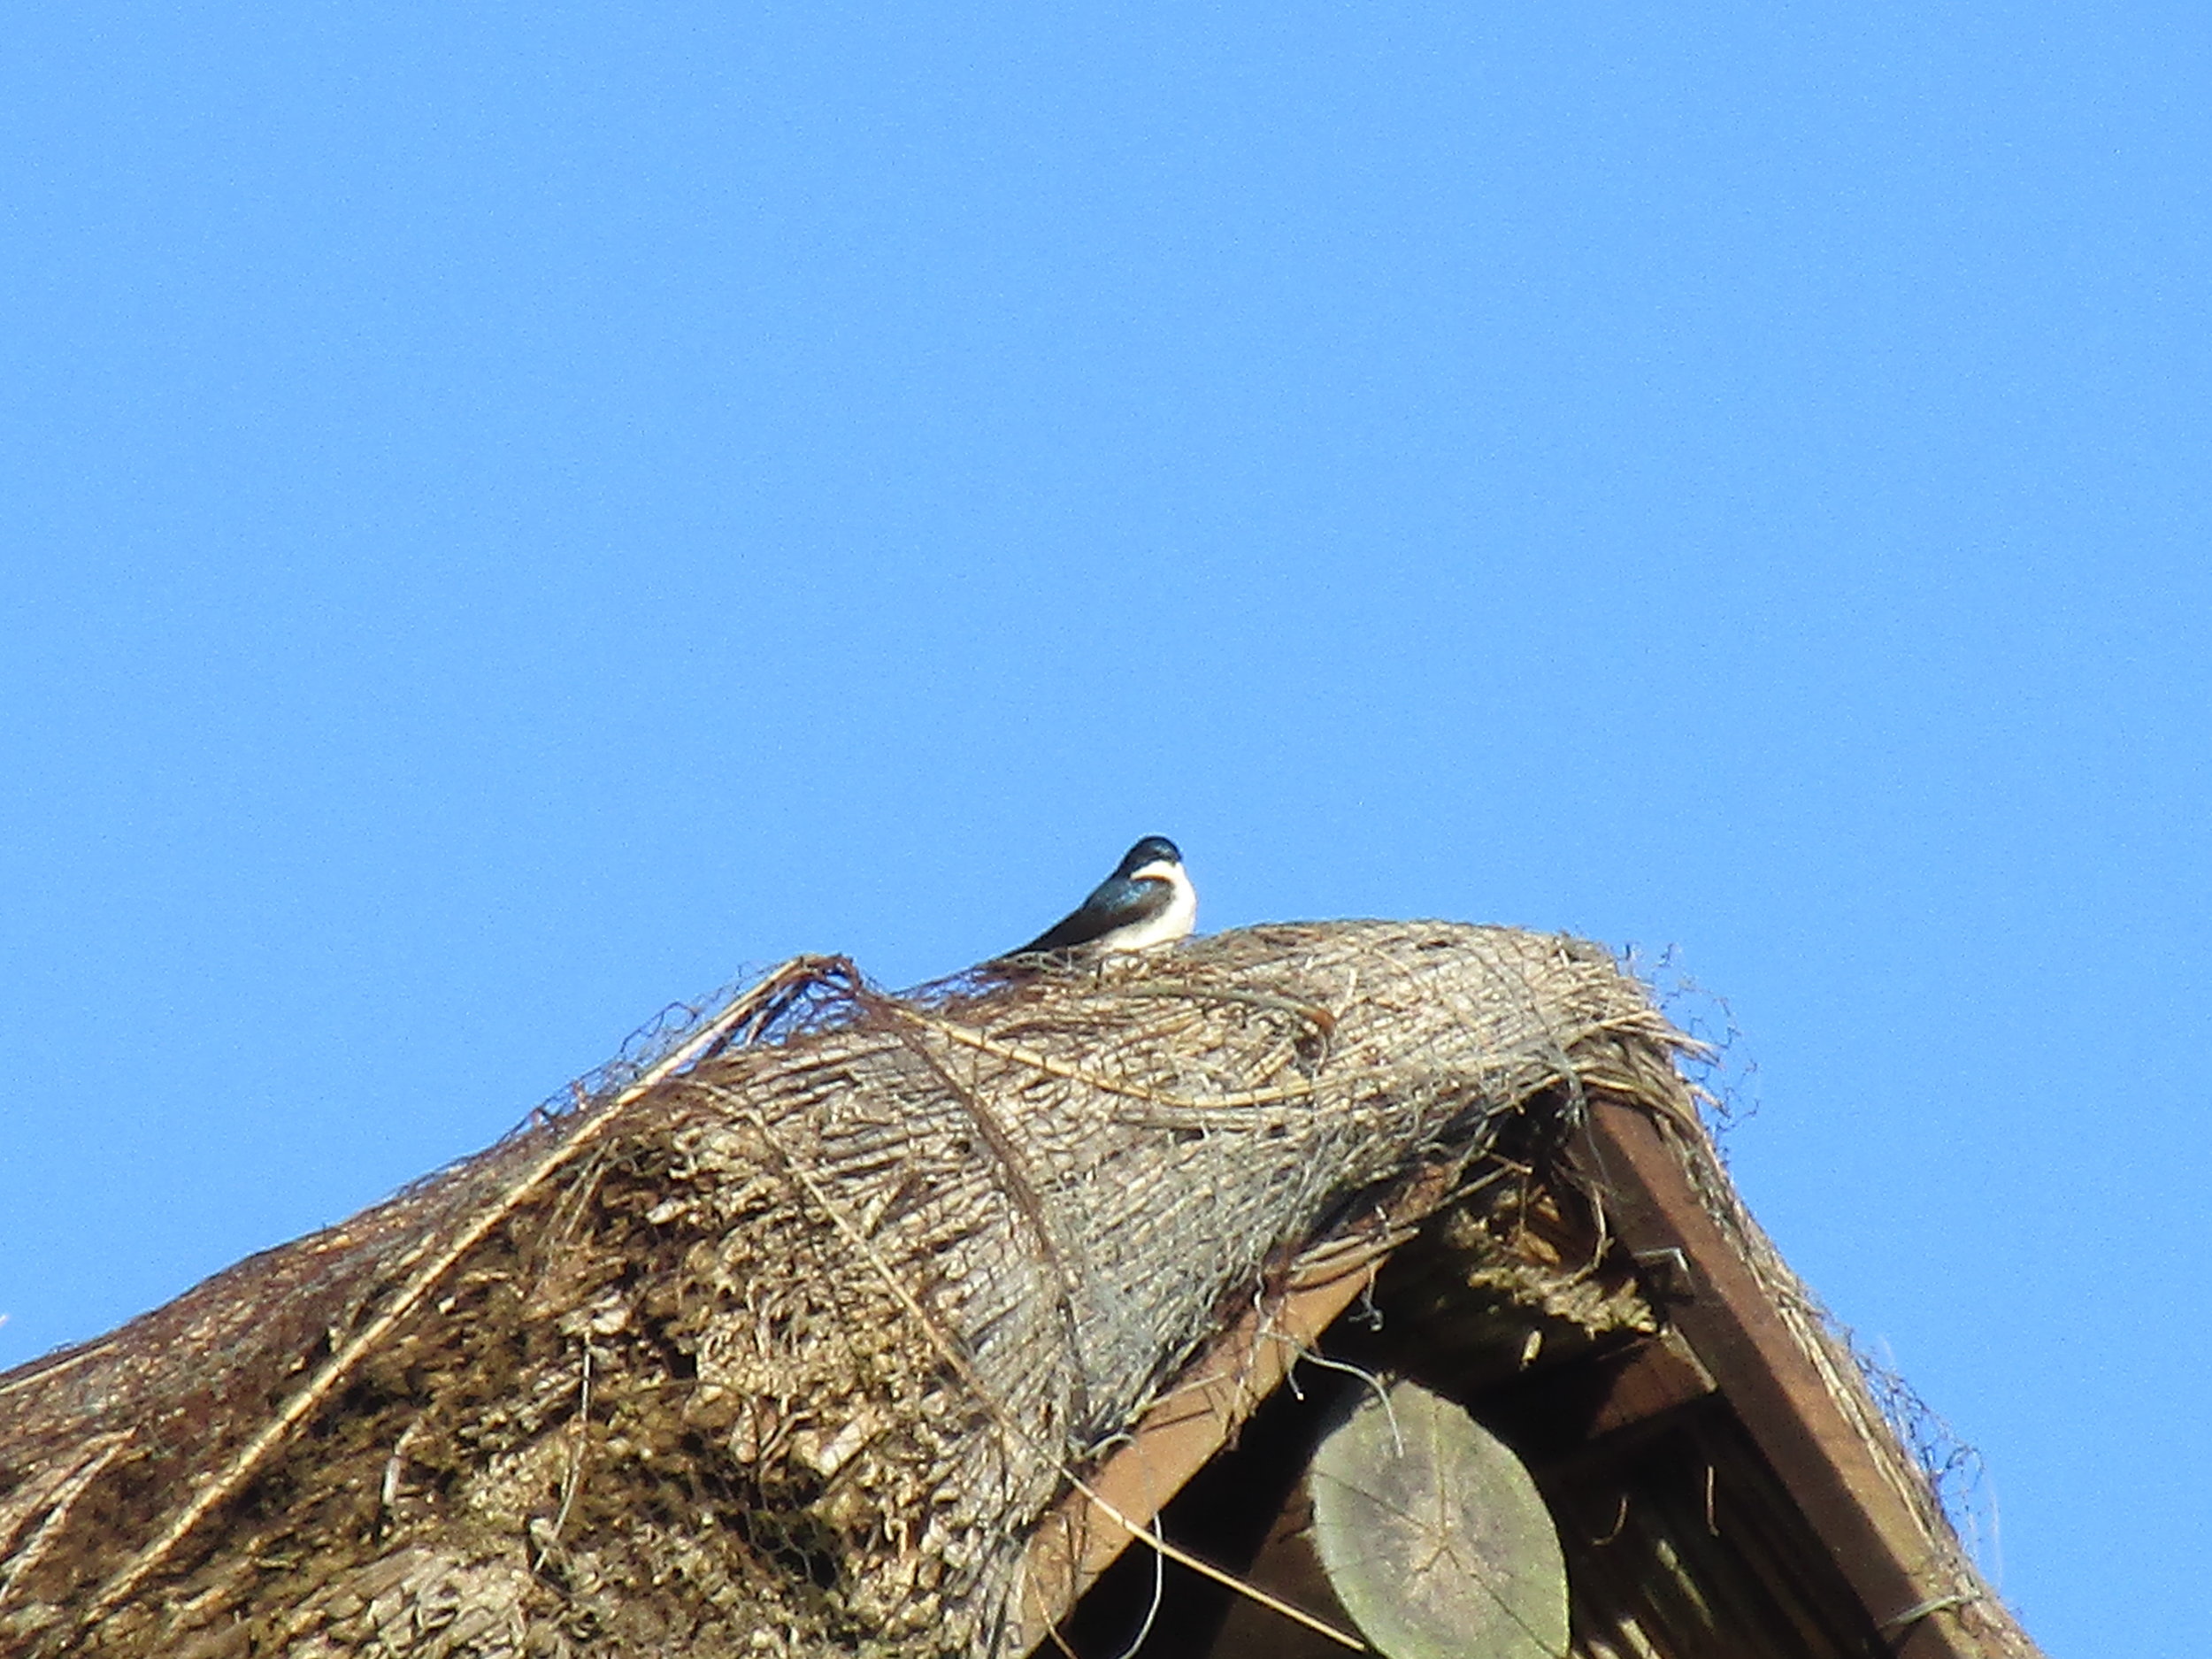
column 784, row 1349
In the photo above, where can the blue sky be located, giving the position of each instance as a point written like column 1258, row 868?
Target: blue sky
column 512, row 518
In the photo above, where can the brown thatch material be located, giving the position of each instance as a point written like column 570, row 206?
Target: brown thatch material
column 871, row 1324
column 784, row 1352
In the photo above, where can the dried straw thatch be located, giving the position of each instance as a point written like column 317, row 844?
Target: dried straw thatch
column 786, row 1347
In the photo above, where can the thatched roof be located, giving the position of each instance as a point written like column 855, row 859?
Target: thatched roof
column 832, row 1331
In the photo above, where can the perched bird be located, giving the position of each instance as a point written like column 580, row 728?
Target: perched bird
column 1147, row 901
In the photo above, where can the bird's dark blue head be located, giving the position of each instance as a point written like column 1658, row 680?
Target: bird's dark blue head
column 1153, row 849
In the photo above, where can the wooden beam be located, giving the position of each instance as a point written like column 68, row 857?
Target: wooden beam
column 1655, row 1376
column 1183, row 1430
column 1781, row 1379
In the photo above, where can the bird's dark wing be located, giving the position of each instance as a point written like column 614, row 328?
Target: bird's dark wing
column 1119, row 902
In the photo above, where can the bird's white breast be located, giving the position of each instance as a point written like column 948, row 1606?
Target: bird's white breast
column 1171, row 923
